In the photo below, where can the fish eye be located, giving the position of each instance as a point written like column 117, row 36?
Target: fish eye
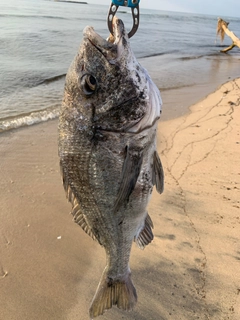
column 88, row 84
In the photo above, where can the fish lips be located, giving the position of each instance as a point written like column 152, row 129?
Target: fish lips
column 111, row 50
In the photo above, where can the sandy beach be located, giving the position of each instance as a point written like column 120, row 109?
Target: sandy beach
column 49, row 268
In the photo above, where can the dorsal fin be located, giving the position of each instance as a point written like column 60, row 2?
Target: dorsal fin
column 78, row 216
column 81, row 220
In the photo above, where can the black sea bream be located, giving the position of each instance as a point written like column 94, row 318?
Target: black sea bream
column 108, row 157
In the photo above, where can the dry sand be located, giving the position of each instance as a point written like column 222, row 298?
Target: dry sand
column 49, row 268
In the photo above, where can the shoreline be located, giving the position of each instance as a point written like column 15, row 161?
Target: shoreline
column 174, row 106
column 50, row 268
column 177, row 101
column 188, row 89
column 203, row 92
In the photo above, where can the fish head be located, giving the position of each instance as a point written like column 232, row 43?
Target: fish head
column 107, row 89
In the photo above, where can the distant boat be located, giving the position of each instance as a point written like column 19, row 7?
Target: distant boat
column 69, row 1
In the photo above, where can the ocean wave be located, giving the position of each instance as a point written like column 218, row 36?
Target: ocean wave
column 195, row 57
column 178, row 16
column 2, row 15
column 29, row 119
column 181, row 86
column 191, row 57
column 52, row 79
column 160, row 53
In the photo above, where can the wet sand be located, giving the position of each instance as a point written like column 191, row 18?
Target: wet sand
column 49, row 268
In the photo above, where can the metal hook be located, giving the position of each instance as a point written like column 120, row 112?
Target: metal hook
column 135, row 14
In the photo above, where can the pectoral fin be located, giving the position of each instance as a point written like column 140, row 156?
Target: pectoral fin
column 158, row 174
column 130, row 173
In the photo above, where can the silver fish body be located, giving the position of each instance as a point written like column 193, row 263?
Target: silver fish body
column 108, row 157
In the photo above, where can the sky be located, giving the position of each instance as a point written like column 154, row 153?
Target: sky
column 220, row 8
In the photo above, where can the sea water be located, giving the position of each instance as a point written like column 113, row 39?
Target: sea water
column 39, row 39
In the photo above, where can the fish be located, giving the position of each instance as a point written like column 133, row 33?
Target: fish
column 108, row 157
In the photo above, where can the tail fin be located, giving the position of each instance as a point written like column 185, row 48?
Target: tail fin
column 113, row 292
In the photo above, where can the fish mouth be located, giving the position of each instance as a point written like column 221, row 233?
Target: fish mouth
column 106, row 48
column 111, row 48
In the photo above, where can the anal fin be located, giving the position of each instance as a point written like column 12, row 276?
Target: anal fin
column 145, row 236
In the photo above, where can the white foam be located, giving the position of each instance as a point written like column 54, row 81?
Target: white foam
column 29, row 119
